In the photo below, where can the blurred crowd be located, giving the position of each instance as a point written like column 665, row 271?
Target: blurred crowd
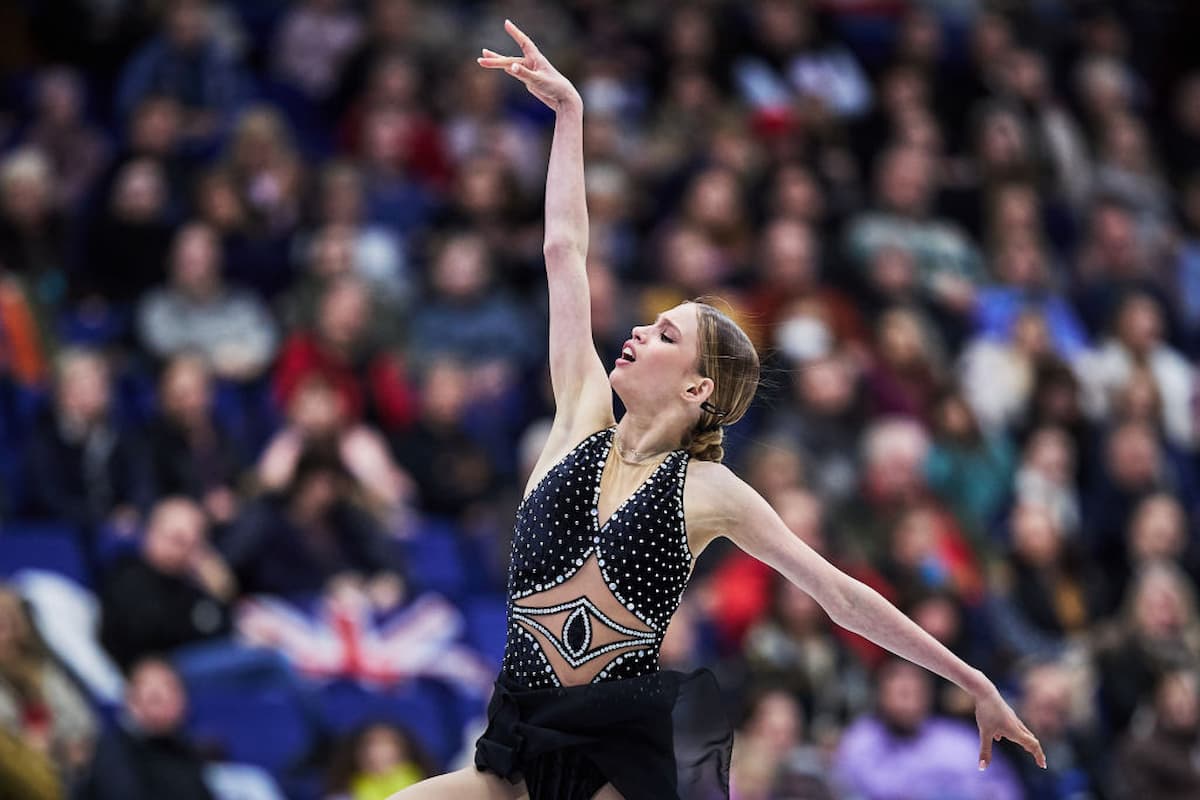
column 272, row 303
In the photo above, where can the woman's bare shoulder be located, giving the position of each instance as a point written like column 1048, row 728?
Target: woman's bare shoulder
column 709, row 501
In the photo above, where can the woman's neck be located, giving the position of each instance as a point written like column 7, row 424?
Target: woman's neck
column 642, row 437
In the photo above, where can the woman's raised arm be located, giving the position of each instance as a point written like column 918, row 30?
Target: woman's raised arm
column 583, row 399
column 747, row 519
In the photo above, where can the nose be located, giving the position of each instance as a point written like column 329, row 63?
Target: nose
column 639, row 333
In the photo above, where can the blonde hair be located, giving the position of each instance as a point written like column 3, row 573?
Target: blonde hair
column 728, row 358
column 21, row 667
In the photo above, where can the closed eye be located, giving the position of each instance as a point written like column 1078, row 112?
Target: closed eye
column 667, row 339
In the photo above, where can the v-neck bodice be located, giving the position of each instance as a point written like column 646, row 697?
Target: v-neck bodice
column 589, row 601
column 632, row 496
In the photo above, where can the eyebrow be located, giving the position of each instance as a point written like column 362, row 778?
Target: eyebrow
column 674, row 327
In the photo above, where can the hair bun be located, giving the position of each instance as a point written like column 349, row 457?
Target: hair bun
column 708, row 445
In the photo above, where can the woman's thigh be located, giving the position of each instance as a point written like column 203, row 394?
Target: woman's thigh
column 467, row 783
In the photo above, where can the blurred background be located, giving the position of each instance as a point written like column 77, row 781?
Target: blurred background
column 272, row 377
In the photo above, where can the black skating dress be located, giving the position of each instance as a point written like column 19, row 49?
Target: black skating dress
column 580, row 700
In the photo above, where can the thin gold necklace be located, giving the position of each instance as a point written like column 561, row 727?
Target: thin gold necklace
column 639, row 458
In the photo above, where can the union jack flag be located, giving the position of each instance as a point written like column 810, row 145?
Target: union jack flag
column 346, row 638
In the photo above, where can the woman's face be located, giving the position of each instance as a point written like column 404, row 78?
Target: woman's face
column 1036, row 538
column 1159, row 608
column 659, row 361
column 900, row 341
column 776, row 723
column 381, row 750
column 1052, row 454
column 1158, row 529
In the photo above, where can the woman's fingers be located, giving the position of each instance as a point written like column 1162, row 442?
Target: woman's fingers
column 985, row 750
column 524, row 42
column 1034, row 747
column 496, row 63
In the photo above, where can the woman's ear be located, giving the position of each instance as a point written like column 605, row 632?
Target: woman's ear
column 700, row 391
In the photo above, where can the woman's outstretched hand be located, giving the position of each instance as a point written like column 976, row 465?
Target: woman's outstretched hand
column 997, row 721
column 532, row 69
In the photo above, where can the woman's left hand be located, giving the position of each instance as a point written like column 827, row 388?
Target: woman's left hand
column 998, row 721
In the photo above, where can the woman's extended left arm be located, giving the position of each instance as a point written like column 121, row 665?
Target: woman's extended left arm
column 750, row 522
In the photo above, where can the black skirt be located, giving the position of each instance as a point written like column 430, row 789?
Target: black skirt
column 662, row 736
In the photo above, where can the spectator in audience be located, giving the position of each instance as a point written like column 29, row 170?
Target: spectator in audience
column 794, row 648
column 378, row 255
column 823, row 422
column 400, row 142
column 196, row 311
column 902, row 751
column 129, row 239
column 468, row 318
column 905, row 375
column 1158, row 531
column 1135, row 465
column 261, row 160
column 313, row 40
column 1075, row 763
column 82, row 468
column 1138, row 340
column 1126, row 170
column 39, row 703
column 76, row 149
column 1113, row 262
column 1025, row 284
column 31, row 226
column 193, row 455
column 391, row 153
column 318, row 423
column 1161, row 762
column 947, row 266
column 790, row 286
column 146, row 755
column 891, row 480
column 998, row 376
column 452, row 471
column 771, row 757
column 393, row 26
column 376, row 760
column 927, row 552
column 301, row 540
column 969, row 468
column 174, row 591
column 1058, row 136
column 1158, row 632
column 1047, row 594
column 187, row 63
column 1046, row 478
column 367, row 377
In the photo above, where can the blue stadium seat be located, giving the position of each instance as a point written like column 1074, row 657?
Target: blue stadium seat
column 486, row 625
column 434, row 560
column 263, row 728
column 426, row 709
column 49, row 546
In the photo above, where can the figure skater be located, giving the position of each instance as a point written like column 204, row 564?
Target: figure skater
column 604, row 545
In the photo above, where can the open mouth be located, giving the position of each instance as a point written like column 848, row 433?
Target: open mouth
column 627, row 354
